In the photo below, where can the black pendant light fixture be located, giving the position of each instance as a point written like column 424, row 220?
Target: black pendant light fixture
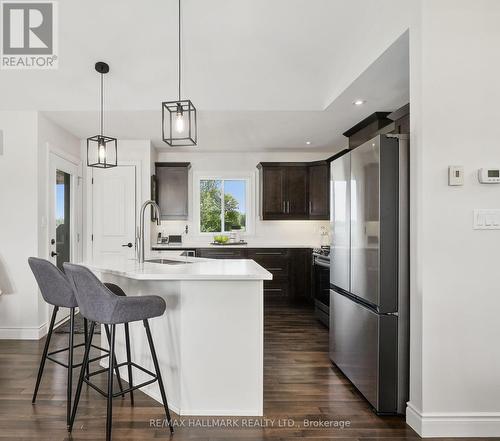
column 179, row 125
column 102, row 150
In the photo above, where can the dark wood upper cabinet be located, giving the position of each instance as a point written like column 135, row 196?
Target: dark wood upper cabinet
column 172, row 189
column 401, row 118
column 297, row 192
column 319, row 191
column 294, row 190
column 273, row 192
column 368, row 128
column 283, row 190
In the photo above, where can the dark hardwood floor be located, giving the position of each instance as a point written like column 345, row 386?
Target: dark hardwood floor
column 300, row 384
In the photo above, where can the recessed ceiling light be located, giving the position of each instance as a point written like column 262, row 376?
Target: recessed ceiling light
column 308, row 142
column 359, row 102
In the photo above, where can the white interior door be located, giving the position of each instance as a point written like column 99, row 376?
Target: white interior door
column 62, row 215
column 114, row 213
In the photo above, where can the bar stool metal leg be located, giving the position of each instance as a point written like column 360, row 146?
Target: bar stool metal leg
column 70, row 364
column 82, row 374
column 86, row 334
column 109, row 414
column 158, row 374
column 115, row 364
column 129, row 360
column 44, row 356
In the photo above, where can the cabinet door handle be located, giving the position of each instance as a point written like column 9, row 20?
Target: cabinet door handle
column 310, row 207
column 274, row 269
column 268, row 254
column 284, row 207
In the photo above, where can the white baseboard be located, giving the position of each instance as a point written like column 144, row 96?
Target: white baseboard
column 28, row 333
column 453, row 424
column 25, row 333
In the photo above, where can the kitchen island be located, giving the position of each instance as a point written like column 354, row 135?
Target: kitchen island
column 209, row 342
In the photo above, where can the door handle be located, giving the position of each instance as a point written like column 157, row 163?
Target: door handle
column 127, row 245
column 53, row 254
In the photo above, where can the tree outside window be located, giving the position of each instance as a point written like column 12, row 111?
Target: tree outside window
column 216, row 217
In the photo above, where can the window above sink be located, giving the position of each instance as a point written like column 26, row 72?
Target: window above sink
column 222, row 201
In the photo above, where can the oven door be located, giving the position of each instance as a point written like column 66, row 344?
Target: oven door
column 321, row 290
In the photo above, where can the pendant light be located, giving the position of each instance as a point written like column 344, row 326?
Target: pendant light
column 101, row 149
column 179, row 125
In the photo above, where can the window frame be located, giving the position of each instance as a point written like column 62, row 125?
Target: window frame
column 225, row 176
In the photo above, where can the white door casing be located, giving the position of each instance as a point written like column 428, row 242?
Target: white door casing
column 114, row 213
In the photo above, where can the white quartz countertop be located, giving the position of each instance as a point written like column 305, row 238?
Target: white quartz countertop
column 196, row 269
column 160, row 247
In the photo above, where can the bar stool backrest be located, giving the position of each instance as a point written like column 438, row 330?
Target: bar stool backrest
column 96, row 302
column 53, row 283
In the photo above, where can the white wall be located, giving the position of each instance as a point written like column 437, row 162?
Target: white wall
column 455, row 286
column 279, row 232
column 18, row 226
column 23, row 198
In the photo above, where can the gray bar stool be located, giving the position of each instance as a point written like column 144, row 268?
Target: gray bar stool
column 57, row 291
column 115, row 289
column 99, row 304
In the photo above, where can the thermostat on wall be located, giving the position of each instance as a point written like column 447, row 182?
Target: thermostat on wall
column 489, row 175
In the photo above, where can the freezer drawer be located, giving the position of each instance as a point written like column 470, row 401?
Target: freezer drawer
column 363, row 344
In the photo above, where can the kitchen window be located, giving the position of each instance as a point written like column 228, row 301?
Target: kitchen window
column 224, row 203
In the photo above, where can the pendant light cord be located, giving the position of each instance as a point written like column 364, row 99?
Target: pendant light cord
column 102, row 105
column 179, row 40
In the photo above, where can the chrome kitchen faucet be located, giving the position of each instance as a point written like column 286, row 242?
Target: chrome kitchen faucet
column 141, row 232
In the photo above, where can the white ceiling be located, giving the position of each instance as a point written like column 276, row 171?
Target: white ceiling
column 261, row 72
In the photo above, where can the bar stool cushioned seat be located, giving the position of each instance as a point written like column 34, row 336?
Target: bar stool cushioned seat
column 99, row 304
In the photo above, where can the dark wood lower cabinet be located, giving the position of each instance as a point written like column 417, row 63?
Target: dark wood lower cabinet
column 300, row 275
column 221, row 253
column 290, row 267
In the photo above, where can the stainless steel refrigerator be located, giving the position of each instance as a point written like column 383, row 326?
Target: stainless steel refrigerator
column 369, row 285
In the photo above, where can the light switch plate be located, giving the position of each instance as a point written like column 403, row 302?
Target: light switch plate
column 486, row 219
column 455, row 175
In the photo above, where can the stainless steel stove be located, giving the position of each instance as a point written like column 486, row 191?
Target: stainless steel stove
column 321, row 284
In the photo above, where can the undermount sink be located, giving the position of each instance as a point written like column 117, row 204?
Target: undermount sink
column 168, row 261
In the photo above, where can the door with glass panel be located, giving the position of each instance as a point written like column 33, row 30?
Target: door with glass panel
column 62, row 222
column 62, row 219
